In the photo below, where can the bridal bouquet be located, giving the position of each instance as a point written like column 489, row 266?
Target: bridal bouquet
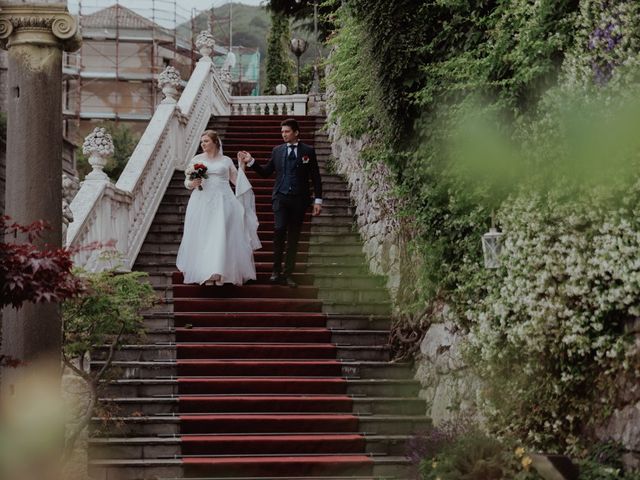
column 199, row 170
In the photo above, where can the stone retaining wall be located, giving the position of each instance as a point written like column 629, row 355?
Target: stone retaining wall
column 376, row 209
column 447, row 387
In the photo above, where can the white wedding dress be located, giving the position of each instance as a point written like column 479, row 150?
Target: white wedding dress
column 220, row 227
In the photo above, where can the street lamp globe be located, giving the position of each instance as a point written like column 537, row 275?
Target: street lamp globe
column 298, row 47
column 281, row 89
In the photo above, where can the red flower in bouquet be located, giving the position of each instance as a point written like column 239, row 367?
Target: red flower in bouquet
column 199, row 170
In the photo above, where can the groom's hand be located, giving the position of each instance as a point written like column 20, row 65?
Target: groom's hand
column 244, row 156
column 317, row 208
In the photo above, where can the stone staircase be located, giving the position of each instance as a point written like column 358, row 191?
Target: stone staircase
column 261, row 381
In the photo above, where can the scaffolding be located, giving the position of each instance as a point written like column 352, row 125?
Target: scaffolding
column 126, row 44
column 245, row 74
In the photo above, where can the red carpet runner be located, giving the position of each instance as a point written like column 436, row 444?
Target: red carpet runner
column 261, row 392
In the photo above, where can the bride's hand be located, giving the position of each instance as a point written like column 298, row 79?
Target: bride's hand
column 244, row 156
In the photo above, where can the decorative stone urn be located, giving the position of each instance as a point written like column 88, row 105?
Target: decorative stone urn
column 225, row 76
column 99, row 146
column 170, row 81
column 205, row 44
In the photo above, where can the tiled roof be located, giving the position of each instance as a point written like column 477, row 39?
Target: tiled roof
column 117, row 16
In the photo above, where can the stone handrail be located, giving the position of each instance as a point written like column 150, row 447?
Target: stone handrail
column 270, row 105
column 122, row 213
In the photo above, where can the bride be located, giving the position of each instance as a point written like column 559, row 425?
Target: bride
column 220, row 228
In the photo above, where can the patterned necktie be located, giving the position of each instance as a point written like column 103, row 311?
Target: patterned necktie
column 292, row 153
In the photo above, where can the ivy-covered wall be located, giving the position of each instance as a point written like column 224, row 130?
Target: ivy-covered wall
column 526, row 110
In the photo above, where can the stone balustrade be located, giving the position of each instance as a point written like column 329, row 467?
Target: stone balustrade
column 270, row 105
column 119, row 216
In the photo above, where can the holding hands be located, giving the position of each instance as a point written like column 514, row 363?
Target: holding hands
column 244, row 157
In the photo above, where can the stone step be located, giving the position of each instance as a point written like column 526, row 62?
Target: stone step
column 173, row 234
column 262, row 151
column 373, row 308
column 178, row 203
column 354, row 295
column 174, row 406
column 169, row 387
column 322, row 224
column 166, row 265
column 331, row 182
column 147, row 469
column 336, row 269
column 327, row 238
column 348, row 369
column 343, row 337
column 349, row 322
column 167, row 254
column 320, row 251
column 328, row 191
column 159, row 447
column 353, row 281
column 172, row 242
column 148, row 425
column 384, row 468
column 158, row 352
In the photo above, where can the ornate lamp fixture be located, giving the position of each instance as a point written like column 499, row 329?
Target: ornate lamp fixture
column 298, row 47
column 492, row 245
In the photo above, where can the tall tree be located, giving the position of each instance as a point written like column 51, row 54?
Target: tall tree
column 279, row 64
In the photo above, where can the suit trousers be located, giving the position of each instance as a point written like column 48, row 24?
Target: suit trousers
column 289, row 211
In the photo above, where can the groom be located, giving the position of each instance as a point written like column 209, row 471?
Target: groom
column 295, row 164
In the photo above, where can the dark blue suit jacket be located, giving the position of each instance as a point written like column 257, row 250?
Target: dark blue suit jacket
column 305, row 171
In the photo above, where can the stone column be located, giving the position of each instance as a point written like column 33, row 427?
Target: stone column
column 35, row 36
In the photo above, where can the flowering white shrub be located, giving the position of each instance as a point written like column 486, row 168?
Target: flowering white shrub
column 548, row 337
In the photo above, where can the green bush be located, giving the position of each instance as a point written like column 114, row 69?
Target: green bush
column 106, row 314
column 481, row 107
column 279, row 64
column 477, row 456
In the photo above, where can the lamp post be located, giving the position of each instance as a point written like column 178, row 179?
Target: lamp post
column 315, row 87
column 298, row 47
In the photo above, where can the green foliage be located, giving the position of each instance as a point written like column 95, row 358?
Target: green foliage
column 476, row 456
column 591, row 470
column 604, row 462
column 124, row 142
column 109, row 309
column 279, row 64
column 350, row 75
column 472, row 105
column 107, row 312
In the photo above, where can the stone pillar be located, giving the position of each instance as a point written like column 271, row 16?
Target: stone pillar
column 34, row 36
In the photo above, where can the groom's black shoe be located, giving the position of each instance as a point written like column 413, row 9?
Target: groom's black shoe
column 290, row 282
column 275, row 278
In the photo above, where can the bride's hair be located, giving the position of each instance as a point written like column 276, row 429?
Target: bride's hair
column 213, row 135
